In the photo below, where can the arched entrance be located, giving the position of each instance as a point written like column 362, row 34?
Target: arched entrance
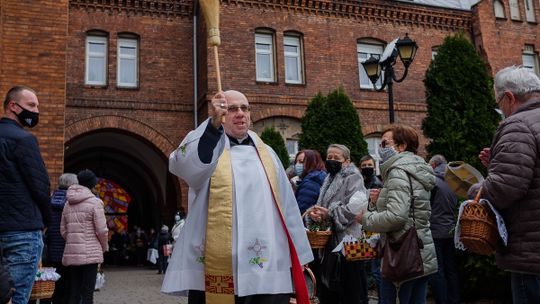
column 134, row 164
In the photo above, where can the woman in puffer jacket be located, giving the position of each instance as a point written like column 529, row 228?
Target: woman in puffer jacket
column 310, row 168
column 400, row 168
column 85, row 230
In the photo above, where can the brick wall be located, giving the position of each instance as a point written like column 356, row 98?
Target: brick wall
column 501, row 40
column 33, row 36
column 162, row 105
column 330, row 36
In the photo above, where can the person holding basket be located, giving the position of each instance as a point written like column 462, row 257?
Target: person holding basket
column 342, row 281
column 403, row 208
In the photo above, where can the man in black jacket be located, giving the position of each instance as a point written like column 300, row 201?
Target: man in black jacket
column 444, row 283
column 24, row 190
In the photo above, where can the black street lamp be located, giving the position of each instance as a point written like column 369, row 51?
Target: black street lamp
column 406, row 50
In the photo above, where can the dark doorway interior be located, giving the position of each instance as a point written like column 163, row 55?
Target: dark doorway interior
column 133, row 163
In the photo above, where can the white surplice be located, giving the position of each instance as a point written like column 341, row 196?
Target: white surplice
column 261, row 259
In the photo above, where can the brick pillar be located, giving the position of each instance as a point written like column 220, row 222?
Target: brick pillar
column 33, row 38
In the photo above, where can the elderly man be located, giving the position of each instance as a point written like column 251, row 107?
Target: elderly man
column 513, row 181
column 243, row 232
column 24, row 190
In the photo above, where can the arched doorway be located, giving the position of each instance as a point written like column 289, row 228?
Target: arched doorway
column 134, row 164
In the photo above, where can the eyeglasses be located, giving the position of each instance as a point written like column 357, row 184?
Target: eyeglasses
column 234, row 109
column 385, row 143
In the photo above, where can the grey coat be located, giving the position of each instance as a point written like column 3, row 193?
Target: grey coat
column 335, row 194
column 393, row 205
column 513, row 187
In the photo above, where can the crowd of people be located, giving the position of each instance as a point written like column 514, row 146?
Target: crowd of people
column 245, row 238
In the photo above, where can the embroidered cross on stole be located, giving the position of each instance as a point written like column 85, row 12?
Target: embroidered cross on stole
column 219, row 281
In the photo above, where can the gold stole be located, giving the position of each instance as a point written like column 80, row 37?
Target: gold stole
column 219, row 282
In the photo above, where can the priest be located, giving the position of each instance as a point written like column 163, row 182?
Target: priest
column 243, row 241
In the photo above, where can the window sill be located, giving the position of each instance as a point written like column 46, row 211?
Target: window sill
column 295, row 84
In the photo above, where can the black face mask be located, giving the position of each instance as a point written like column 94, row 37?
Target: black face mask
column 27, row 118
column 367, row 171
column 332, row 166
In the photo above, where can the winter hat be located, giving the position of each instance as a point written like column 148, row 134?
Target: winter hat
column 164, row 228
column 87, row 178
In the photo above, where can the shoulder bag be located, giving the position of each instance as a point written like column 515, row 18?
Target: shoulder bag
column 402, row 260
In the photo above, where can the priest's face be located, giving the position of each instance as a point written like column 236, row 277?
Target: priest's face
column 237, row 119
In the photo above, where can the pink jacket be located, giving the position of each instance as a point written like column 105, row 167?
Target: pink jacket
column 83, row 227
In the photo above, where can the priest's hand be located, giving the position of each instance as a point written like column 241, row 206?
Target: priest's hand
column 219, row 103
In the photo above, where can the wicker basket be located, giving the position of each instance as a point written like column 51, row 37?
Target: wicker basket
column 479, row 231
column 318, row 239
column 42, row 290
column 311, row 283
column 359, row 251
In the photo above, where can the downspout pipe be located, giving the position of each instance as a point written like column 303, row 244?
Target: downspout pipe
column 195, row 67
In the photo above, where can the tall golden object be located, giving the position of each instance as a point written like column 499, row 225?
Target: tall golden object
column 210, row 9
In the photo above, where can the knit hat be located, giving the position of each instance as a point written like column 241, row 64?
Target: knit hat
column 87, row 178
column 164, row 228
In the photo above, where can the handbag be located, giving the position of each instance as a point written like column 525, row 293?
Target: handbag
column 402, row 259
column 331, row 264
column 167, row 249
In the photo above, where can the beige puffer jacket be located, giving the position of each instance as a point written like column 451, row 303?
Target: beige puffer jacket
column 393, row 214
column 83, row 227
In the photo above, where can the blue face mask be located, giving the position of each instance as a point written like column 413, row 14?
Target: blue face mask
column 299, row 169
column 386, row 153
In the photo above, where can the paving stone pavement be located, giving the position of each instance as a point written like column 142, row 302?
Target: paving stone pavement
column 131, row 285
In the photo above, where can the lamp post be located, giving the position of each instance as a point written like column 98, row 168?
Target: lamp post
column 406, row 50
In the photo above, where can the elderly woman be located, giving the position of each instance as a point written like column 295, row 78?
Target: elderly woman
column 400, row 168
column 84, row 228
column 342, row 181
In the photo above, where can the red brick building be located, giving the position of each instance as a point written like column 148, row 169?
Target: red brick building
column 121, row 82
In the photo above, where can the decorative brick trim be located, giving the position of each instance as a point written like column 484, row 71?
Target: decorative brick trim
column 275, row 112
column 374, row 10
column 154, row 8
column 121, row 123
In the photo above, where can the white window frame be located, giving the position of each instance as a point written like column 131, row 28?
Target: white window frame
column 265, row 39
column 530, row 59
column 128, row 43
column 434, row 52
column 514, row 10
column 96, row 40
column 296, row 41
column 529, row 10
column 498, row 9
column 370, row 49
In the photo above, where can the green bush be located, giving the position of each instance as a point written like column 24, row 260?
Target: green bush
column 272, row 138
column 332, row 119
column 461, row 119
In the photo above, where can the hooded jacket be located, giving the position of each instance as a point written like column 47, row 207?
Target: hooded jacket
column 393, row 216
column 83, row 227
column 513, row 187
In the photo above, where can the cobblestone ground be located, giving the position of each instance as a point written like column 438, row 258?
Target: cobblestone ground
column 133, row 286
column 130, row 285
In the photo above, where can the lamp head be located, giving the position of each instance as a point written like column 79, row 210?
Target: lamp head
column 373, row 69
column 407, row 50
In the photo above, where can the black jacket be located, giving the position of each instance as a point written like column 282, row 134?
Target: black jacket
column 24, row 182
column 443, row 207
